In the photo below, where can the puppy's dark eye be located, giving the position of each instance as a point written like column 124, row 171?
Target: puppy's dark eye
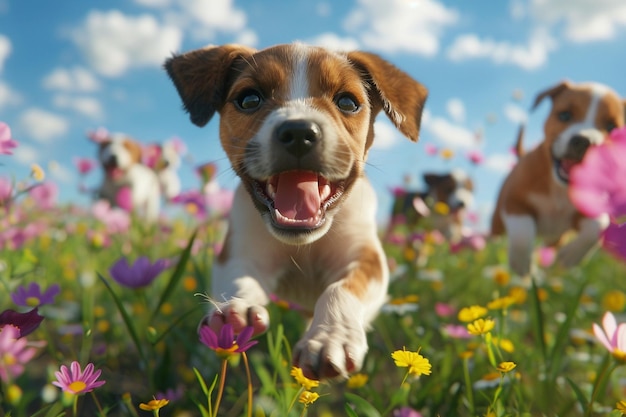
column 346, row 103
column 249, row 100
column 565, row 116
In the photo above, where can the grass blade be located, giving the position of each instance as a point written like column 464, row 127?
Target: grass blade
column 580, row 396
column 537, row 321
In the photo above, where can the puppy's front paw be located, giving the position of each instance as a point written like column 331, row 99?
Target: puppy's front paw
column 239, row 315
column 331, row 351
column 571, row 254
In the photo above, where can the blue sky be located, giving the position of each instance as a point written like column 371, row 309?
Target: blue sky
column 69, row 67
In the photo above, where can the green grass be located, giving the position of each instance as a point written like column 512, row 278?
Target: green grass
column 145, row 341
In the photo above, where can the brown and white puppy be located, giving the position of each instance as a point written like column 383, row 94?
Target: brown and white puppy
column 533, row 200
column 454, row 189
column 296, row 124
column 121, row 160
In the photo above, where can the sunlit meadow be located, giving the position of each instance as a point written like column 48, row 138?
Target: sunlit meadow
column 99, row 315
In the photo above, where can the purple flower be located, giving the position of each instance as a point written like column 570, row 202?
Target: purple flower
column 225, row 344
column 25, row 322
column 140, row 274
column 6, row 143
column 614, row 240
column 33, row 297
column 77, row 381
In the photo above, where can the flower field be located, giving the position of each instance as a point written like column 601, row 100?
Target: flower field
column 99, row 315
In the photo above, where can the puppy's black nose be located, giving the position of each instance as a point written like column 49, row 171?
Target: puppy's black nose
column 579, row 144
column 298, row 137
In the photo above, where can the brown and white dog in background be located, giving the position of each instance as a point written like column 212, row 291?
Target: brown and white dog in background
column 121, row 161
column 454, row 189
column 296, row 123
column 534, row 201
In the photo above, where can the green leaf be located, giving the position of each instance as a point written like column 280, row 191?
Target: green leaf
column 580, row 396
column 126, row 317
column 537, row 320
column 364, row 408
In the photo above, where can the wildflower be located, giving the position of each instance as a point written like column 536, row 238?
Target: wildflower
column 37, row 172
column 76, row 381
column 225, row 345
column 519, row 294
column 441, row 208
column 357, row 381
column 621, row 407
column 472, row 313
column 490, row 380
column 26, row 323
column 444, row 310
column 154, row 404
column 406, row 412
column 417, row 364
column 476, row 157
column 140, row 274
column 431, row 149
column 504, row 344
column 6, row 143
column 84, row 165
column 402, row 305
column 447, row 153
column 13, row 353
column 306, row 383
column 456, row 331
column 501, row 303
column 115, row 219
column 6, row 191
column 596, row 184
column 481, row 326
column 33, row 296
column 612, row 336
column 614, row 240
column 506, row 366
column 307, row 397
column 614, row 300
column 546, row 256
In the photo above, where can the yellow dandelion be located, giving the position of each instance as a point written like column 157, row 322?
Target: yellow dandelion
column 506, row 366
column 357, row 381
column 481, row 326
column 154, row 405
column 621, row 407
column 501, row 303
column 306, row 383
column 441, row 208
column 417, row 364
column 472, row 313
column 614, row 300
column 466, row 354
column 505, row 344
column 447, row 153
column 519, row 294
column 37, row 172
column 501, row 276
column 307, row 397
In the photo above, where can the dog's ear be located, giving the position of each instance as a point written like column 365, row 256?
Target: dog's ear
column 201, row 78
column 550, row 92
column 433, row 179
column 134, row 148
column 392, row 90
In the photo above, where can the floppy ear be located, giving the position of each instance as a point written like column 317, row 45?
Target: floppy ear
column 392, row 90
column 550, row 92
column 201, row 78
column 433, row 179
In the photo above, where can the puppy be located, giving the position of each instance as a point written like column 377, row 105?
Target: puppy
column 454, row 190
column 297, row 124
column 165, row 160
column 121, row 158
column 533, row 200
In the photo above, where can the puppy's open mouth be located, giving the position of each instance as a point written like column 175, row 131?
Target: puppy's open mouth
column 563, row 167
column 298, row 199
column 114, row 172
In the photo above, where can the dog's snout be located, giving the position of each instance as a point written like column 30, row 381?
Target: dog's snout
column 298, row 136
column 578, row 145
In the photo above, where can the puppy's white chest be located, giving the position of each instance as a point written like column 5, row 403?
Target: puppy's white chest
column 554, row 214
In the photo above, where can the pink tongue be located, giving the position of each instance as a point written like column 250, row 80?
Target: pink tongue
column 567, row 165
column 297, row 195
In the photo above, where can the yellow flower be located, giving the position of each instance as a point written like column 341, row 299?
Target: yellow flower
column 409, row 299
column 307, row 397
column 154, row 404
column 417, row 364
column 447, row 153
column 441, row 208
column 519, row 294
column 472, row 313
column 501, row 303
column 306, row 383
column 506, row 366
column 621, row 407
column 481, row 326
column 357, row 381
column 37, row 173
column 505, row 344
column 614, row 300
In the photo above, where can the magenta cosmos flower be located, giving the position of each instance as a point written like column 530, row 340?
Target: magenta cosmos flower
column 139, row 274
column 6, row 142
column 32, row 296
column 76, row 381
column 612, row 336
column 26, row 323
column 614, row 240
column 14, row 353
column 597, row 184
column 85, row 165
column 225, row 344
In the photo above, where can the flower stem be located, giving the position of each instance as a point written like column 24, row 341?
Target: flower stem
column 468, row 386
column 95, row 399
column 247, row 366
column 600, row 381
column 220, row 391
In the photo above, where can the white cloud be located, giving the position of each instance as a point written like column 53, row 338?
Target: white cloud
column 385, row 134
column 113, row 43
column 530, row 56
column 8, row 96
column 75, row 79
column 515, row 113
column 456, row 110
column 448, row 133
column 583, row 20
column 42, row 125
column 400, row 25
column 334, row 42
column 60, row 172
column 5, row 50
column 87, row 106
column 501, row 162
column 26, row 154
column 153, row 3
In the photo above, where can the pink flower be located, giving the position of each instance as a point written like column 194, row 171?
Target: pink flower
column 612, row 336
column 431, row 149
column 614, row 240
column 6, row 191
column 444, row 310
column 546, row 256
column 456, row 331
column 78, row 381
column 85, row 165
column 124, row 199
column 99, row 135
column 14, row 353
column 597, row 184
column 476, row 157
column 6, row 143
column 45, row 194
column 116, row 220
